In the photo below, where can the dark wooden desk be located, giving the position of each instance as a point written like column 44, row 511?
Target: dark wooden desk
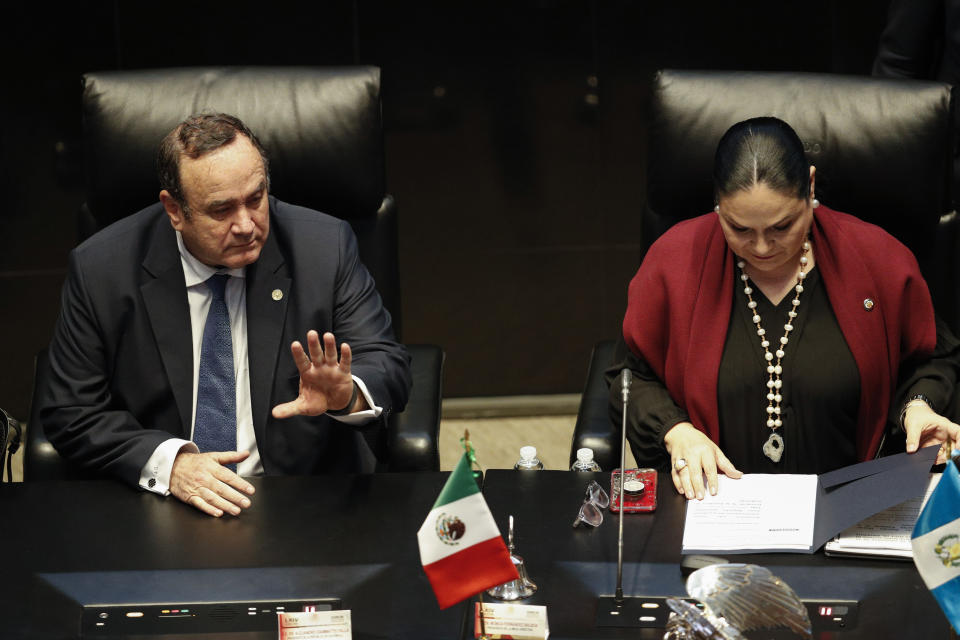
column 339, row 523
column 573, row 566
column 333, row 523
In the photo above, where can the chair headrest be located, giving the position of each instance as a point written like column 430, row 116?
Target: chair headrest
column 881, row 146
column 321, row 128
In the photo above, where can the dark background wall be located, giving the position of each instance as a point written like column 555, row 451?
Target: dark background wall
column 515, row 148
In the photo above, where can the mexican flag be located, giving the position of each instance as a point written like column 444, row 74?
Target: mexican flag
column 460, row 546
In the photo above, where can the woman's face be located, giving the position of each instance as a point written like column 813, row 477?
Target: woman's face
column 766, row 228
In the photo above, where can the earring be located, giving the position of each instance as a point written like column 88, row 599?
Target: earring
column 716, row 208
column 815, row 203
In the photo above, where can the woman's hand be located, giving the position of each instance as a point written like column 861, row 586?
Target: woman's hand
column 924, row 427
column 692, row 454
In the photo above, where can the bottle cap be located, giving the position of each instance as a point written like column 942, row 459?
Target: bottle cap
column 528, row 452
column 585, row 455
column 633, row 487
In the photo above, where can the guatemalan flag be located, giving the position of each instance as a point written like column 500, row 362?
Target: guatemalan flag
column 460, row 545
column 936, row 544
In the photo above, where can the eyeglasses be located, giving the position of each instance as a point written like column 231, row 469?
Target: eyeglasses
column 590, row 511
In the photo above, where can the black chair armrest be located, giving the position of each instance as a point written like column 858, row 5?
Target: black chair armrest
column 11, row 435
column 594, row 428
column 413, row 436
column 945, row 255
column 41, row 462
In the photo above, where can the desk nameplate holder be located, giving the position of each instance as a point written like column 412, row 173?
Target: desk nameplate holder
column 653, row 612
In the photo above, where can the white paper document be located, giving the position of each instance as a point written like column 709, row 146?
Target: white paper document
column 758, row 512
column 761, row 513
column 884, row 534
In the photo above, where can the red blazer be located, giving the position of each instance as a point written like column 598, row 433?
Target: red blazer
column 679, row 301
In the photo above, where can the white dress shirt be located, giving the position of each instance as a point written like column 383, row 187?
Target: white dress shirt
column 155, row 474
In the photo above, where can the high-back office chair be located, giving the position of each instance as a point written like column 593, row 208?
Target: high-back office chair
column 322, row 131
column 882, row 152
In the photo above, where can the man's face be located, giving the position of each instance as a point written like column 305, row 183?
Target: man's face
column 226, row 191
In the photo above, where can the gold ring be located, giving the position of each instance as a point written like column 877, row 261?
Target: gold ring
column 680, row 464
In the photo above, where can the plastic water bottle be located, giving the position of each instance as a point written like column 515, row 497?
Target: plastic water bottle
column 585, row 461
column 528, row 459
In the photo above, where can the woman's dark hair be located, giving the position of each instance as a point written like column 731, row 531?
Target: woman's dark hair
column 761, row 151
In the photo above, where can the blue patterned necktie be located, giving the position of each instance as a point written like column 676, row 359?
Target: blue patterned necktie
column 215, row 428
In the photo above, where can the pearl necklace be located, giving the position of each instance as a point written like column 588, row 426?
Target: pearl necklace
column 773, row 447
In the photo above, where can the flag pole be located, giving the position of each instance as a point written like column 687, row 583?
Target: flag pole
column 472, row 457
column 954, row 459
column 483, row 624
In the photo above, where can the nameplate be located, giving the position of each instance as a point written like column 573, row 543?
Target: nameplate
column 517, row 621
column 310, row 625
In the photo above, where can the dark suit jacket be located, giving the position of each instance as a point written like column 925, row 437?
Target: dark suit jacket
column 121, row 357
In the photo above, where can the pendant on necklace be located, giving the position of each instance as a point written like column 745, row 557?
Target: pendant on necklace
column 773, row 447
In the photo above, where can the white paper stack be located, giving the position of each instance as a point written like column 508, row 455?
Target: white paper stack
column 886, row 534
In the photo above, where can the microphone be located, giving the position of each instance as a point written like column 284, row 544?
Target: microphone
column 621, row 611
column 626, row 377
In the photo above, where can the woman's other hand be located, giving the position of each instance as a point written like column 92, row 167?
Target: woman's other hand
column 925, row 427
column 693, row 454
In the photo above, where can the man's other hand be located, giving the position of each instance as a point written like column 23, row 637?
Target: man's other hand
column 202, row 480
column 325, row 381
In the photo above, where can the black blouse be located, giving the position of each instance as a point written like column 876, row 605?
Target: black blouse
column 821, row 388
column 821, row 385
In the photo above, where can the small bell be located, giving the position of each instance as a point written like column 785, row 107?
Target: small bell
column 523, row 587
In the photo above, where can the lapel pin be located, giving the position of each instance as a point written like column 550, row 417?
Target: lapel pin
column 277, row 295
column 868, row 304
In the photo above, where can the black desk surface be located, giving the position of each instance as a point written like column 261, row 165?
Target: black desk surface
column 346, row 526
column 341, row 524
column 572, row 567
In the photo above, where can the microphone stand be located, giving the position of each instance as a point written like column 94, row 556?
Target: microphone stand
column 617, row 610
column 626, row 376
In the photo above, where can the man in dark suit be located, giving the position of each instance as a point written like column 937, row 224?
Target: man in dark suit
column 168, row 353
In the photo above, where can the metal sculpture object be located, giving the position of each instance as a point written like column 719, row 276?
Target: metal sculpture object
column 736, row 598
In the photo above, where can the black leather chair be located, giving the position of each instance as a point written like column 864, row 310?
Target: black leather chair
column 10, row 441
column 322, row 131
column 882, row 152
